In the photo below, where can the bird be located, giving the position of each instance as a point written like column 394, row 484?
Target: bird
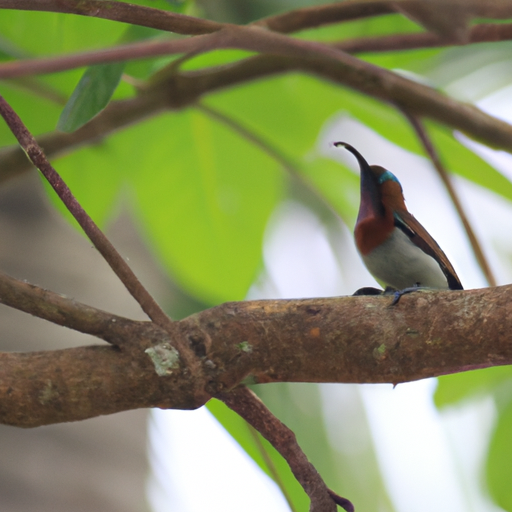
column 395, row 248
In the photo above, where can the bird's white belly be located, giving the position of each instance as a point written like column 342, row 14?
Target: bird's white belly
column 401, row 264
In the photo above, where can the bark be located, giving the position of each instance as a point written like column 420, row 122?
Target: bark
column 343, row 339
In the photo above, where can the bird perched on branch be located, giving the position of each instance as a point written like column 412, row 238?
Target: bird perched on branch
column 394, row 246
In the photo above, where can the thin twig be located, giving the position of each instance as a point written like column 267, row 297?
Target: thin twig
column 311, row 17
column 246, row 404
column 100, row 241
column 483, row 33
column 120, row 11
column 446, row 179
column 138, row 50
column 61, row 310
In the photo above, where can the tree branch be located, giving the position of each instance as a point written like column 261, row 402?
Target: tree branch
column 60, row 310
column 346, row 339
column 120, row 11
column 311, row 17
column 483, row 33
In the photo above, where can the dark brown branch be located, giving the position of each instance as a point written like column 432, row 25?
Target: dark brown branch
column 247, row 405
column 346, row 339
column 61, row 310
column 447, row 182
column 311, row 17
column 119, row 11
column 139, row 50
column 291, row 21
column 100, row 241
column 484, row 33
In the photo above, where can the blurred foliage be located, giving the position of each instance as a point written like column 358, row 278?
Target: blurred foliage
column 202, row 192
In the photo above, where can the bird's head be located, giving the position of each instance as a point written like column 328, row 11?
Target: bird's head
column 381, row 191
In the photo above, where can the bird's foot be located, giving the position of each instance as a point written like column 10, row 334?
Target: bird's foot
column 398, row 293
column 367, row 290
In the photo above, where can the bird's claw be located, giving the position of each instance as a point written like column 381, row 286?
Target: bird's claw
column 397, row 294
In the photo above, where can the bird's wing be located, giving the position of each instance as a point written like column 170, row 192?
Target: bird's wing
column 420, row 237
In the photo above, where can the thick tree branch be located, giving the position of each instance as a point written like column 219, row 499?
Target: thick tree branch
column 346, row 339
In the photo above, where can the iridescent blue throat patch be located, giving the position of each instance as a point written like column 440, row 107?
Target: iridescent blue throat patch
column 387, row 176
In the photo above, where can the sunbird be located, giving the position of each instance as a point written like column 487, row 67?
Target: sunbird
column 396, row 249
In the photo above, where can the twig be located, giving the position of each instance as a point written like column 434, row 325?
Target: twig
column 311, row 17
column 422, row 134
column 61, row 310
column 120, row 11
column 483, row 33
column 100, row 241
column 245, row 403
column 118, row 53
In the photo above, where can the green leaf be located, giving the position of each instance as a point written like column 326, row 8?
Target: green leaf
column 261, row 451
column 202, row 195
column 62, row 33
column 499, row 459
column 205, row 195
column 91, row 95
column 452, row 389
column 166, row 5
